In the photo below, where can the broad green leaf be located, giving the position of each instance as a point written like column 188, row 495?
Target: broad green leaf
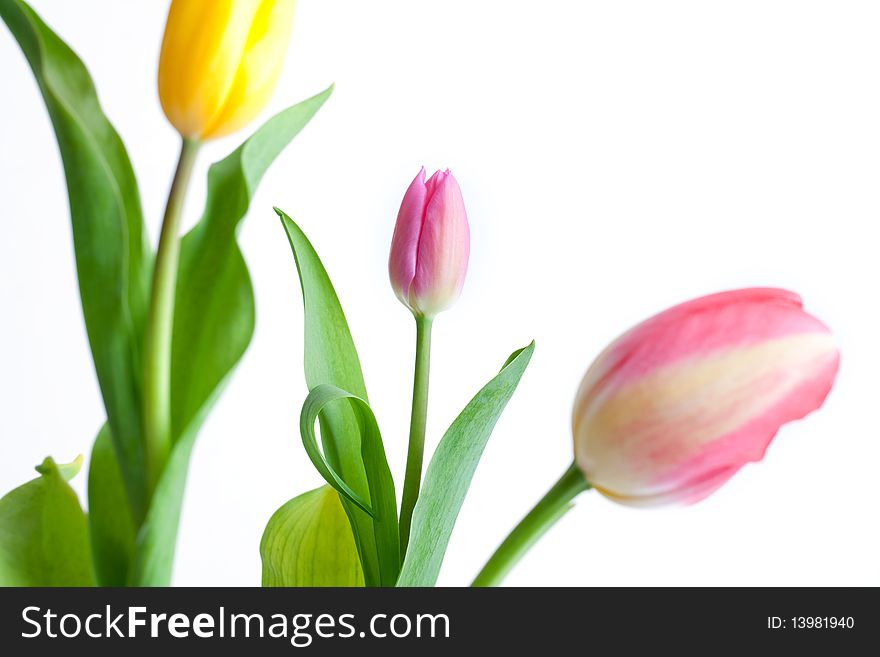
column 44, row 537
column 308, row 542
column 383, row 509
column 451, row 470
column 111, row 526
column 112, row 257
column 330, row 357
column 214, row 309
column 213, row 322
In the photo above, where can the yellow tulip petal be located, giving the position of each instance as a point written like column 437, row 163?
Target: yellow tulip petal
column 200, row 59
column 259, row 69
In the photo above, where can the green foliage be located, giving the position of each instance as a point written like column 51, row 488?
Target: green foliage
column 308, row 542
column 213, row 323
column 214, row 311
column 111, row 525
column 134, row 534
column 330, row 358
column 353, row 459
column 112, row 258
column 345, row 534
column 383, row 503
column 44, row 536
column 451, row 470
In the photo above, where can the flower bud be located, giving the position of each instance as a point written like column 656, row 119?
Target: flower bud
column 220, row 61
column 674, row 407
column 431, row 244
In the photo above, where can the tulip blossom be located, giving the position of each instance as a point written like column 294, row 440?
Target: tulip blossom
column 674, row 407
column 220, row 61
column 431, row 244
column 427, row 266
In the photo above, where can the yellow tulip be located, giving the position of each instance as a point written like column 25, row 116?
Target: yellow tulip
column 220, row 61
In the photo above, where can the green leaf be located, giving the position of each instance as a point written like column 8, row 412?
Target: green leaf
column 214, row 309
column 111, row 527
column 157, row 538
column 331, row 358
column 308, row 542
column 112, row 257
column 451, row 470
column 44, row 538
column 383, row 510
column 213, row 322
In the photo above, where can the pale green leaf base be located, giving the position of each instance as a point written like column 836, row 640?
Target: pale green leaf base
column 44, row 536
column 308, row 542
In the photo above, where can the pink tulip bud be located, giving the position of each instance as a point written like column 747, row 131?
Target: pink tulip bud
column 431, row 244
column 675, row 406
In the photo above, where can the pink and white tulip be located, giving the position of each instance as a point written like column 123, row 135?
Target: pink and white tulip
column 675, row 406
column 431, row 245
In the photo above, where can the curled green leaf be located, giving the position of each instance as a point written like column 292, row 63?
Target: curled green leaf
column 330, row 357
column 312, row 407
column 382, row 506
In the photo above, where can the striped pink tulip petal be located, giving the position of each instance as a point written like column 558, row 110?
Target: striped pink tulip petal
column 431, row 245
column 675, row 406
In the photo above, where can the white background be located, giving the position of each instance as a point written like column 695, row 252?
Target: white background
column 616, row 158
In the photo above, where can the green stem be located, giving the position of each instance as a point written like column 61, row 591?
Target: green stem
column 543, row 516
column 416, row 450
column 160, row 320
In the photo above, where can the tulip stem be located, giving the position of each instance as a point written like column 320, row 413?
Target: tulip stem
column 160, row 321
column 416, row 450
column 536, row 523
